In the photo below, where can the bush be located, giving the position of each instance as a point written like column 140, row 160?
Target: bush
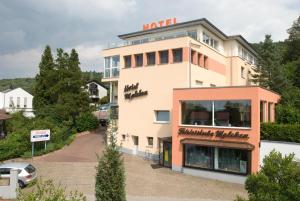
column 86, row 121
column 280, row 132
column 104, row 100
column 47, row 191
column 278, row 180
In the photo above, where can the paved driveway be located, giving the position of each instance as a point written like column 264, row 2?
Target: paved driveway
column 74, row 167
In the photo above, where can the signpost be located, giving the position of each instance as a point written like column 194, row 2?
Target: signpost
column 39, row 136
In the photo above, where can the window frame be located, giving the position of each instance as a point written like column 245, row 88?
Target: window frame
column 160, row 54
column 149, row 140
column 147, row 56
column 161, row 122
column 125, row 61
column 136, row 59
column 181, row 55
column 213, row 115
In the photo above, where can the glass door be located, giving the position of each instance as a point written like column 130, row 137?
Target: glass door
column 167, row 154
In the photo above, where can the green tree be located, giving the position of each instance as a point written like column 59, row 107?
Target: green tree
column 110, row 178
column 278, row 180
column 269, row 73
column 45, row 80
column 293, row 42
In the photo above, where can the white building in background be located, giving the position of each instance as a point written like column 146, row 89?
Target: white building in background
column 96, row 90
column 14, row 100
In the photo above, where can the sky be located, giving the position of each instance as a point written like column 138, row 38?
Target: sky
column 27, row 26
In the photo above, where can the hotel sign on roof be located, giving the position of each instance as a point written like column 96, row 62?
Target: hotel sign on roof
column 160, row 23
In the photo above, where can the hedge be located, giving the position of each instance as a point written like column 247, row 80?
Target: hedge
column 280, row 132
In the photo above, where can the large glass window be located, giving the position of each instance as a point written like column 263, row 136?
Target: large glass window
column 199, row 157
column 177, row 55
column 230, row 113
column 111, row 66
column 151, row 58
column 233, row 160
column 162, row 116
column 233, row 113
column 193, row 34
column 196, row 112
column 138, row 60
column 164, row 57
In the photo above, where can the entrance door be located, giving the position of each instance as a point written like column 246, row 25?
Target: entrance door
column 135, row 145
column 167, row 154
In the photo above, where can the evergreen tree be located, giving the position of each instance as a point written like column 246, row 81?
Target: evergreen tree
column 110, row 178
column 269, row 73
column 293, row 42
column 45, row 80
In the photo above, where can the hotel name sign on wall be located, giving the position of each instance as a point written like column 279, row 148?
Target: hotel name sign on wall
column 133, row 91
column 221, row 134
column 160, row 23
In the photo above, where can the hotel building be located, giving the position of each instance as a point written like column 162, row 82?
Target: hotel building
column 186, row 99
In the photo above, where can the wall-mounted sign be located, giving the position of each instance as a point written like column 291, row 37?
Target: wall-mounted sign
column 133, row 91
column 160, row 23
column 39, row 135
column 221, row 134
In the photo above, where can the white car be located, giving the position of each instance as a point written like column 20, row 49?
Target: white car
column 26, row 172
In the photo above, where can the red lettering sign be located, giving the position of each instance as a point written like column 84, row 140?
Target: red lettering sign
column 160, row 23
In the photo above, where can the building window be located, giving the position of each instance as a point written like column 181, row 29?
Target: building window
column 205, row 62
column 193, row 34
column 127, row 61
column 196, row 112
column 151, row 58
column 212, row 85
column 199, row 83
column 11, row 102
column 18, row 102
column 210, row 41
column 205, row 38
column 233, row 160
column 242, row 72
column 111, row 66
column 123, row 137
column 193, row 52
column 150, row 141
column 262, row 111
column 232, row 113
column 25, row 102
column 269, row 112
column 138, row 60
column 198, row 156
column 164, row 57
column 162, row 116
column 177, row 55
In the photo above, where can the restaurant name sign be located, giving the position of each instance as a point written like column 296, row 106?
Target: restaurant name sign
column 160, row 23
column 209, row 133
column 133, row 91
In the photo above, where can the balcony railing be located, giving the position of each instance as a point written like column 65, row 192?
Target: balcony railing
column 151, row 39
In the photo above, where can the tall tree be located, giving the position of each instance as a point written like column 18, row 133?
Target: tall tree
column 269, row 73
column 293, row 42
column 45, row 79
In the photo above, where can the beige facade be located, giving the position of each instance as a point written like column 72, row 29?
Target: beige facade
column 218, row 63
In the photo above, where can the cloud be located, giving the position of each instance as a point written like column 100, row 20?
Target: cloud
column 89, row 25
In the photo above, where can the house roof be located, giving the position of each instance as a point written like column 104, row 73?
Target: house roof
column 4, row 116
column 97, row 82
column 203, row 21
column 9, row 90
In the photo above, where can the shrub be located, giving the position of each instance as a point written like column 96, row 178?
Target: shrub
column 280, row 132
column 86, row 121
column 47, row 191
column 110, row 178
column 104, row 100
column 278, row 180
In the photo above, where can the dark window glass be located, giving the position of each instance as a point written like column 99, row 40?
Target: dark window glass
column 30, row 169
column 127, row 61
column 193, row 34
column 164, row 57
column 4, row 171
column 262, row 112
column 150, row 141
column 177, row 55
column 162, row 116
column 205, row 62
column 138, row 60
column 200, row 157
column 233, row 160
column 151, row 58
column 269, row 111
column 233, row 113
column 196, row 112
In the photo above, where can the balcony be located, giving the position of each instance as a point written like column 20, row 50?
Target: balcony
column 192, row 34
